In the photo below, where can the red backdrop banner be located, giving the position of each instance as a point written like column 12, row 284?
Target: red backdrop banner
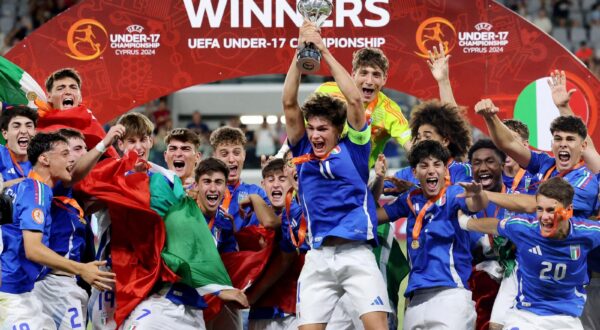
column 130, row 52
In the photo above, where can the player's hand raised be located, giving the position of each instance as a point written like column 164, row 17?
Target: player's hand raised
column 401, row 185
column 438, row 62
column 558, row 87
column 310, row 33
column 97, row 278
column 486, row 108
column 380, row 166
column 235, row 296
column 114, row 133
column 472, row 189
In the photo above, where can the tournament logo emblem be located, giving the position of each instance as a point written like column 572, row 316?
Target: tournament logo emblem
column 575, row 252
column 37, row 215
column 432, row 32
column 86, row 39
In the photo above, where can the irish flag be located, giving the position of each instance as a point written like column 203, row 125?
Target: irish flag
column 536, row 109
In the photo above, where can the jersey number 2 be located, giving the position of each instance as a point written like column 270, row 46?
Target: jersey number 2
column 560, row 271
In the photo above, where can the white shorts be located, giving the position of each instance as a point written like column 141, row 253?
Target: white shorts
column 286, row 323
column 344, row 316
column 520, row 319
column 505, row 300
column 329, row 272
column 591, row 315
column 157, row 313
column 229, row 318
column 101, row 309
column 23, row 312
column 64, row 301
column 440, row 308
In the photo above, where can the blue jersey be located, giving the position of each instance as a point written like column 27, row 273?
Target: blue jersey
column 333, row 191
column 222, row 231
column 286, row 244
column 459, row 172
column 68, row 229
column 583, row 181
column 31, row 211
column 11, row 170
column 238, row 193
column 551, row 273
column 528, row 183
column 444, row 254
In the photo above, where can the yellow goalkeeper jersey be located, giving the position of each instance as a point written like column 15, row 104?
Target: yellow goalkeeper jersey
column 385, row 116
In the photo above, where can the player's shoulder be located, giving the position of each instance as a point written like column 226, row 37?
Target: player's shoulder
column 585, row 225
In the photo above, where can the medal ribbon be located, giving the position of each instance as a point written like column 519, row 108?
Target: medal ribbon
column 517, row 179
column 61, row 201
column 563, row 173
column 303, row 225
column 419, row 220
column 227, row 198
column 16, row 163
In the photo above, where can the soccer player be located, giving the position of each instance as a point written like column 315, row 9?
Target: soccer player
column 568, row 143
column 26, row 239
column 229, row 145
column 518, row 179
column 182, row 154
column 369, row 72
column 497, row 256
column 333, row 191
column 178, row 304
column 137, row 138
column 439, row 251
column 18, row 128
column 68, row 306
column 551, row 255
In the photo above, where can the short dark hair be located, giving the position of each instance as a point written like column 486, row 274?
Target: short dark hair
column 486, row 144
column 517, row 126
column 373, row 57
column 569, row 124
column 426, row 149
column 211, row 165
column 11, row 112
column 61, row 74
column 275, row 165
column 71, row 133
column 183, row 135
column 557, row 188
column 43, row 142
column 227, row 135
column 327, row 107
column 448, row 120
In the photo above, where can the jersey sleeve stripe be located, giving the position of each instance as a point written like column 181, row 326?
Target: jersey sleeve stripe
column 583, row 181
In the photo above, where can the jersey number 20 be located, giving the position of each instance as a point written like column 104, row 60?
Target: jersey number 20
column 560, row 271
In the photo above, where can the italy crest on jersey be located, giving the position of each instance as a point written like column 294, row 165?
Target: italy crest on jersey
column 575, row 252
column 336, row 150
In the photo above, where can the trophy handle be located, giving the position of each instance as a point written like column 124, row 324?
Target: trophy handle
column 308, row 59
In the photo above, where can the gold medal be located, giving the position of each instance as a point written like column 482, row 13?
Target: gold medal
column 414, row 245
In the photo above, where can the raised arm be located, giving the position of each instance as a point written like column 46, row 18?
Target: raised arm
column 561, row 98
column 482, row 225
column 474, row 195
column 521, row 203
column 376, row 186
column 294, row 121
column 438, row 64
column 85, row 164
column 355, row 111
column 501, row 135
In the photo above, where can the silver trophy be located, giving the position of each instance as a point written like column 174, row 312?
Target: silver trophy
column 316, row 11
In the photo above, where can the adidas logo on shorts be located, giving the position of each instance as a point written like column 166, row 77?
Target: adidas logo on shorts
column 377, row 302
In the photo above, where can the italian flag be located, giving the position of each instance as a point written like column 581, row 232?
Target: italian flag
column 16, row 86
column 536, row 109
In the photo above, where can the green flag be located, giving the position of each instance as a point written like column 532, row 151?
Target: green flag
column 391, row 260
column 190, row 250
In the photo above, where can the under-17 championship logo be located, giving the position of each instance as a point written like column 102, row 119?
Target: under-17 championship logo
column 432, row 32
column 86, row 39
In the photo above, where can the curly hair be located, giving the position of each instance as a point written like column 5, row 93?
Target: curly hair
column 569, row 124
column 325, row 106
column 519, row 127
column 449, row 122
column 227, row 135
column 373, row 57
